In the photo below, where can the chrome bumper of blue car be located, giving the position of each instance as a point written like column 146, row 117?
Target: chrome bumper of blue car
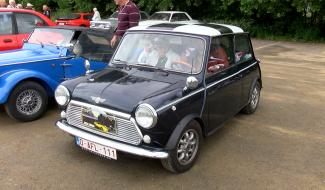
column 113, row 144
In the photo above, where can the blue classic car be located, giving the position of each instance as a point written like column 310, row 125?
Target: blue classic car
column 29, row 76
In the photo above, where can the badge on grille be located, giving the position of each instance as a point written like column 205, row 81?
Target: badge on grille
column 98, row 100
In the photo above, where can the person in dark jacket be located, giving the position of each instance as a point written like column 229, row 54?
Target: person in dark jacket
column 46, row 11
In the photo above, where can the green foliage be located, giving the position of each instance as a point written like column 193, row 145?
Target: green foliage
column 295, row 19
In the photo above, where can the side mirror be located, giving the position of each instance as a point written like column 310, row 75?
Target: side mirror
column 191, row 83
column 87, row 67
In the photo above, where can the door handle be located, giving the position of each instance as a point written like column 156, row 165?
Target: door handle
column 7, row 40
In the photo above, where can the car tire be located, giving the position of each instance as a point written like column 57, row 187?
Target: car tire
column 178, row 160
column 27, row 102
column 254, row 99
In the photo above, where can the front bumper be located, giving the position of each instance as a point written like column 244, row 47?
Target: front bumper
column 110, row 143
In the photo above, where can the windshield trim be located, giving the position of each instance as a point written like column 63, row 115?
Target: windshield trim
column 173, row 34
column 48, row 44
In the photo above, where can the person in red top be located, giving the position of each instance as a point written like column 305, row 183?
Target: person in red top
column 128, row 17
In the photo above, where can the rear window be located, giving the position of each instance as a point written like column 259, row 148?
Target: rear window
column 27, row 22
column 69, row 17
column 6, row 24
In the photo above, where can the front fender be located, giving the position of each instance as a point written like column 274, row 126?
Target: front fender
column 9, row 80
column 173, row 139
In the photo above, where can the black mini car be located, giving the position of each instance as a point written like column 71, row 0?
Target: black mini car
column 167, row 87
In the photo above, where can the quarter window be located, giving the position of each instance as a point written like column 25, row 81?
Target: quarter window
column 179, row 17
column 221, row 54
column 243, row 49
column 87, row 17
column 27, row 22
column 6, row 24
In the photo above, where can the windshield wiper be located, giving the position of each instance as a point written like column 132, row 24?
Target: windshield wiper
column 40, row 43
column 120, row 63
column 152, row 67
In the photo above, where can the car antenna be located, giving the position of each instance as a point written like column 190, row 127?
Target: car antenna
column 42, row 45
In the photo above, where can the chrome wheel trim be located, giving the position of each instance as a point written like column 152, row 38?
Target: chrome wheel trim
column 255, row 97
column 187, row 147
column 29, row 102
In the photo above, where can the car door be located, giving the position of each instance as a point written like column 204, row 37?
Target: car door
column 223, row 86
column 244, row 58
column 8, row 39
column 26, row 22
column 87, row 19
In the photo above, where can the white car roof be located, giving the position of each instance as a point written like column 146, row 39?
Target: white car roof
column 211, row 29
column 170, row 12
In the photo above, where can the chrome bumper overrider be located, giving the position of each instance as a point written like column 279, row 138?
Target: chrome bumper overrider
column 113, row 144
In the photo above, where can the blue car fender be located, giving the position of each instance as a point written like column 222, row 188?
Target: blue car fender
column 9, row 80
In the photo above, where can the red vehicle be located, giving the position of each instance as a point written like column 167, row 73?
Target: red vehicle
column 17, row 24
column 75, row 19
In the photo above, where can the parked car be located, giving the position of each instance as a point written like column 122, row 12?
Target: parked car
column 168, row 87
column 29, row 76
column 169, row 17
column 75, row 19
column 111, row 22
column 17, row 24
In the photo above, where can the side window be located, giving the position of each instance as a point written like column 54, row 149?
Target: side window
column 243, row 49
column 183, row 17
column 6, row 24
column 179, row 17
column 221, row 54
column 143, row 16
column 87, row 17
column 27, row 22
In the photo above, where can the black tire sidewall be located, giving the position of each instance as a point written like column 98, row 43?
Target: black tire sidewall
column 11, row 108
column 177, row 167
column 249, row 109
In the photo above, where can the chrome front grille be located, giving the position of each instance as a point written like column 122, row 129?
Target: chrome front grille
column 127, row 130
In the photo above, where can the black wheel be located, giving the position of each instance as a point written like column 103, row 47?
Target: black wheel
column 186, row 151
column 27, row 102
column 253, row 100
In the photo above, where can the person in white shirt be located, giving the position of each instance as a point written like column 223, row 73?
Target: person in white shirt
column 12, row 4
column 96, row 16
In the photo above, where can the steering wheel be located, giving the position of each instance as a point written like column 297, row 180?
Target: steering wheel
column 182, row 65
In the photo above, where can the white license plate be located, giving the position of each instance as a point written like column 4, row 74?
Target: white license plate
column 61, row 23
column 97, row 148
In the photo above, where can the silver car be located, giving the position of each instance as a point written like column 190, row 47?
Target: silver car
column 111, row 22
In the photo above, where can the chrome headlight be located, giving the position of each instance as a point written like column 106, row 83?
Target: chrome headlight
column 146, row 116
column 62, row 95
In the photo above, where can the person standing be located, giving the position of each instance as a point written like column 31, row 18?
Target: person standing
column 19, row 6
column 96, row 16
column 46, row 11
column 29, row 6
column 12, row 4
column 3, row 4
column 128, row 17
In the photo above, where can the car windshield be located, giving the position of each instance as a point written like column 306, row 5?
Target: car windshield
column 114, row 15
column 160, row 16
column 97, row 42
column 69, row 17
column 51, row 36
column 162, row 51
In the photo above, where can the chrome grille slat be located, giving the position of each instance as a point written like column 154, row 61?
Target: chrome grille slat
column 126, row 130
